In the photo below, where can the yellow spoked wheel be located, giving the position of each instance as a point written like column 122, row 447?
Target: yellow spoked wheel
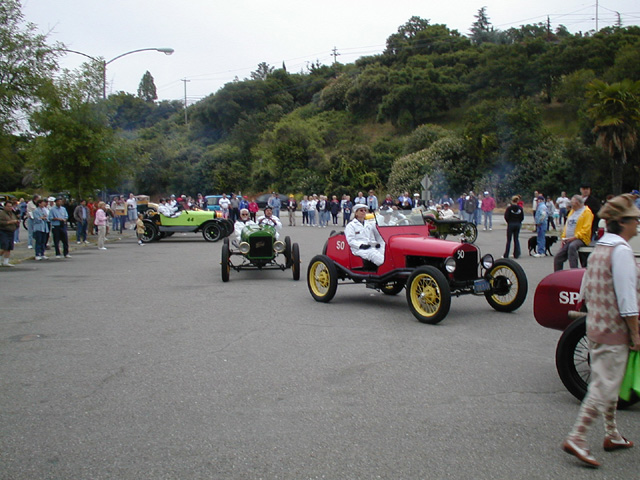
column 322, row 278
column 508, row 286
column 428, row 295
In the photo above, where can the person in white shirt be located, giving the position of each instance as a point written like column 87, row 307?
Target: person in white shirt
column 363, row 237
column 242, row 222
column 269, row 219
column 446, row 213
column 563, row 203
column 132, row 210
column 224, row 204
column 164, row 209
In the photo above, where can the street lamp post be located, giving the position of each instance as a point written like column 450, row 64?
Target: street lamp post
column 166, row 51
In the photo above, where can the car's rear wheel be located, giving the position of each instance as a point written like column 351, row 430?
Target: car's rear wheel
column 150, row 232
column 573, row 362
column 224, row 263
column 428, row 295
column 393, row 288
column 211, row 232
column 508, row 286
column 295, row 261
column 470, row 232
column 322, row 278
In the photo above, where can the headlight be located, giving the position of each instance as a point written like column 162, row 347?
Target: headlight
column 487, row 261
column 244, row 247
column 450, row 265
column 278, row 246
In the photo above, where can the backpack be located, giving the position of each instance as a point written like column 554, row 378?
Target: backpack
column 470, row 205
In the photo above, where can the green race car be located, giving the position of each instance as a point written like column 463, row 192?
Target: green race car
column 258, row 249
column 211, row 224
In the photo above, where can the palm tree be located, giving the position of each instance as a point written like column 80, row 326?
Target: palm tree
column 615, row 111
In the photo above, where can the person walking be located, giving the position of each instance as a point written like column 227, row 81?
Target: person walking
column 140, row 229
column 610, row 289
column 488, row 206
column 513, row 215
column 101, row 223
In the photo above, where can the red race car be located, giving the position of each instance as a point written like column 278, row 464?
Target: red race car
column 557, row 305
column 432, row 270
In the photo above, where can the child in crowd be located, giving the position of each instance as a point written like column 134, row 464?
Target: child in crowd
column 140, row 229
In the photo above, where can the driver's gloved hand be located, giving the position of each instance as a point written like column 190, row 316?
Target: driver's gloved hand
column 377, row 245
column 364, row 246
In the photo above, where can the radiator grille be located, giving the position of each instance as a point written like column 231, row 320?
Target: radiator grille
column 261, row 247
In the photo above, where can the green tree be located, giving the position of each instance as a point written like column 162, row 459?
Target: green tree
column 27, row 63
column 76, row 149
column 147, row 88
column 615, row 111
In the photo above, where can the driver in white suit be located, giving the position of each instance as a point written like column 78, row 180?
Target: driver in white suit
column 363, row 237
column 270, row 219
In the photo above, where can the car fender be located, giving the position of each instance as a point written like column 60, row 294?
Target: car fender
column 556, row 295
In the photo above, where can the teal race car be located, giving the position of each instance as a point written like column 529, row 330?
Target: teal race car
column 259, row 249
column 211, row 224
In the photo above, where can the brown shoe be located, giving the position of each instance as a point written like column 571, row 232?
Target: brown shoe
column 581, row 454
column 611, row 444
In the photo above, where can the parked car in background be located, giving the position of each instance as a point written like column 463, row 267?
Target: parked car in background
column 212, row 202
column 262, row 200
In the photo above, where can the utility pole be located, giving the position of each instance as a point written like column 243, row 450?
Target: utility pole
column 335, row 55
column 596, row 16
column 185, row 98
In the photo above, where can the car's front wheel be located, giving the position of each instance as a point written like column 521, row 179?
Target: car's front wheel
column 225, row 263
column 322, row 278
column 428, row 294
column 508, row 286
column 287, row 250
column 211, row 232
column 295, row 261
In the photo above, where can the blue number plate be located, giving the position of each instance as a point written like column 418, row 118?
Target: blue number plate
column 481, row 285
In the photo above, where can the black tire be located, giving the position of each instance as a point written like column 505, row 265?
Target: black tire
column 150, row 232
column 211, row 232
column 295, row 261
column 470, row 232
column 227, row 226
column 393, row 288
column 573, row 362
column 508, row 286
column 322, row 278
column 287, row 250
column 225, row 241
column 224, row 263
column 428, row 295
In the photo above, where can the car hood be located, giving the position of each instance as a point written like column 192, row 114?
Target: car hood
column 426, row 246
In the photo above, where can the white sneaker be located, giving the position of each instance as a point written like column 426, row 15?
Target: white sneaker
column 87, row 242
column 44, row 257
column 29, row 246
column 78, row 243
column 38, row 257
column 58, row 256
column 538, row 255
column 67, row 256
column 102, row 248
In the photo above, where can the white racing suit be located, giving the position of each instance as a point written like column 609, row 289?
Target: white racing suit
column 239, row 225
column 273, row 221
column 358, row 234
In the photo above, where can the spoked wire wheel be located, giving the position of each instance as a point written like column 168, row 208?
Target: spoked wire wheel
column 322, row 278
column 428, row 295
column 508, row 286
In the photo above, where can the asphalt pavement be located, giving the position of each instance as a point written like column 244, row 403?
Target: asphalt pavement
column 140, row 363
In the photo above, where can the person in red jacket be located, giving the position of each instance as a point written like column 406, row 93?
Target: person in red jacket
column 488, row 206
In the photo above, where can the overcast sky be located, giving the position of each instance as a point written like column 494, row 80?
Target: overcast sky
column 215, row 41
